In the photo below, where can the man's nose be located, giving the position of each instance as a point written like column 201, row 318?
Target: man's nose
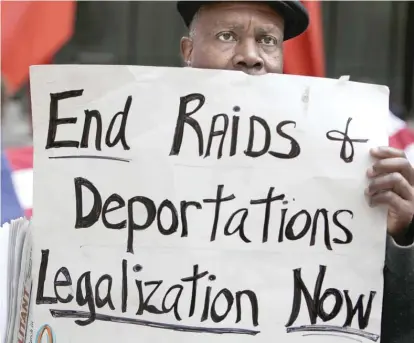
column 247, row 57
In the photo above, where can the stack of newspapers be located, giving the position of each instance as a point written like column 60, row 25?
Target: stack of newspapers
column 15, row 287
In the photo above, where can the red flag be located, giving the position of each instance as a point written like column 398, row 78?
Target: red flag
column 304, row 55
column 31, row 33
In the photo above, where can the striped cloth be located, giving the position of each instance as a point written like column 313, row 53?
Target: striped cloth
column 17, row 172
column 401, row 137
column 16, row 183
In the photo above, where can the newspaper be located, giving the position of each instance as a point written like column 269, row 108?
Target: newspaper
column 15, row 288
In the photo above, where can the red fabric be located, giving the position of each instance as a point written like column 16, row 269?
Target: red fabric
column 31, row 33
column 28, row 213
column 20, row 158
column 304, row 55
column 402, row 139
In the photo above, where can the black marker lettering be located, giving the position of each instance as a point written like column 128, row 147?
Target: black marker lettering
column 240, row 227
column 217, row 318
column 338, row 301
column 294, row 145
column 234, row 135
column 184, row 118
column 144, row 303
column 215, row 133
column 300, row 287
column 194, row 279
column 150, row 299
column 114, row 198
column 282, row 225
column 363, row 318
column 175, row 303
column 183, row 208
column 348, row 234
column 289, row 227
column 87, row 127
column 132, row 226
column 346, row 140
column 268, row 201
column 120, row 136
column 253, row 303
column 93, row 216
column 327, row 238
column 174, row 218
column 63, row 283
column 204, row 316
column 107, row 299
column 315, row 305
column 86, row 298
column 249, row 151
column 218, row 200
column 54, row 121
column 40, row 298
column 124, row 285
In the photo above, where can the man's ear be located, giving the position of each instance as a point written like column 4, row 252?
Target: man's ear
column 186, row 50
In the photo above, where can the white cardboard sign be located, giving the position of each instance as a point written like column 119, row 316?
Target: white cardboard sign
column 183, row 205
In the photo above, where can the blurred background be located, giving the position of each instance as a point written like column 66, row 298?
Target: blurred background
column 368, row 40
column 371, row 41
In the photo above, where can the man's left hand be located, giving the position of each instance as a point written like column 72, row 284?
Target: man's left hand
column 392, row 184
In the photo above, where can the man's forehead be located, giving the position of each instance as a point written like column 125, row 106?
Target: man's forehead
column 229, row 14
column 232, row 23
column 294, row 14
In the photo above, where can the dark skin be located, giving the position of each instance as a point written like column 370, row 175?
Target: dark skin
column 391, row 184
column 248, row 36
column 236, row 36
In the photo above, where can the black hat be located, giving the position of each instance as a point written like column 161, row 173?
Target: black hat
column 293, row 12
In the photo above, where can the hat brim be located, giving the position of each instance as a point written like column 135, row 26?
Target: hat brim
column 294, row 14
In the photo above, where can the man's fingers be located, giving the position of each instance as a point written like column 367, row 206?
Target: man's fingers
column 394, row 182
column 387, row 198
column 391, row 165
column 386, row 152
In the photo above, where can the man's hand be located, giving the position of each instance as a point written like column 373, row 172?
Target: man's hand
column 392, row 184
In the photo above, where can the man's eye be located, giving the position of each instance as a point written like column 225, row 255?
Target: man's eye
column 268, row 40
column 226, row 37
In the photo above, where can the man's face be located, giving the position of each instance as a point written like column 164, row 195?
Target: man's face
column 244, row 36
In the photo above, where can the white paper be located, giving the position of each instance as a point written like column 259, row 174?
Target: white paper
column 258, row 269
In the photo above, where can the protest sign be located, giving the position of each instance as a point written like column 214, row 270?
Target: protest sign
column 189, row 205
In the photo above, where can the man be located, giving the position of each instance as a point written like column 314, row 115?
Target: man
column 248, row 36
